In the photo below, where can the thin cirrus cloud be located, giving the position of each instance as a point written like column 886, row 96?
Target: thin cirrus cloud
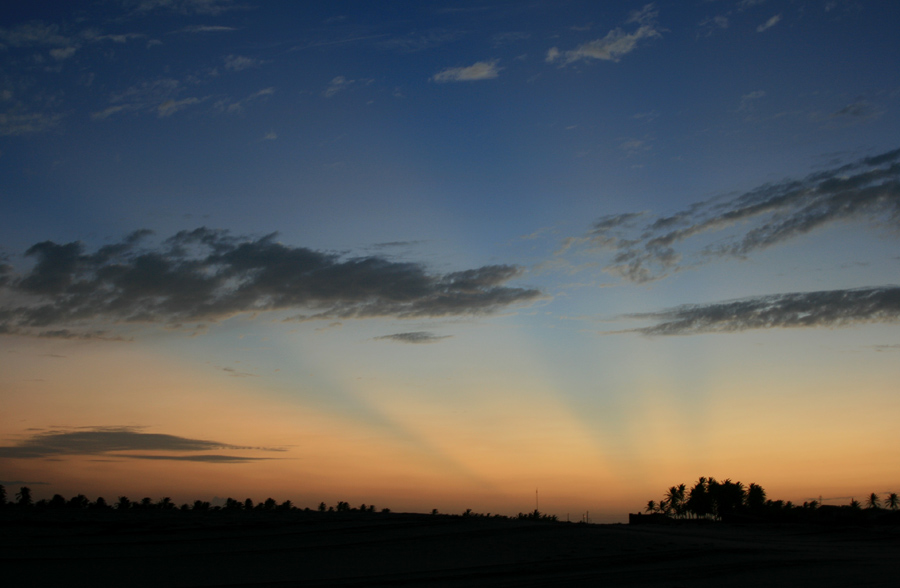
column 827, row 308
column 208, row 275
column 413, row 337
column 617, row 42
column 112, row 441
column 646, row 248
column 482, row 70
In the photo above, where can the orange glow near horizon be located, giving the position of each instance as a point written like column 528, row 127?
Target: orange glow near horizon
column 482, row 451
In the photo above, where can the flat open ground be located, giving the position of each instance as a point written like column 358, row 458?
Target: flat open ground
column 422, row 550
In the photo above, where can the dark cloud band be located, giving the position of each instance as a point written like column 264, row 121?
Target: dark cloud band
column 868, row 189
column 208, row 275
column 828, row 308
column 110, row 441
column 415, row 337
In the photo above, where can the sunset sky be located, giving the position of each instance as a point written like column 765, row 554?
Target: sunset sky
column 434, row 254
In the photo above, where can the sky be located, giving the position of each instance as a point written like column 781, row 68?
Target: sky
column 447, row 254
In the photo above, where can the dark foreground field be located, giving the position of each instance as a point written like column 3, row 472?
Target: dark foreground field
column 423, row 550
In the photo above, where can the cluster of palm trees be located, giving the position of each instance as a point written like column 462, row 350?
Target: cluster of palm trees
column 709, row 498
column 891, row 501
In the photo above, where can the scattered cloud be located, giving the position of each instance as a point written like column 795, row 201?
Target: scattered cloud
column 414, row 337
column 240, row 63
column 209, row 275
column 616, row 44
column 769, row 23
column 646, row 248
column 828, row 308
column 336, row 85
column 270, row 136
column 112, row 441
column 482, row 70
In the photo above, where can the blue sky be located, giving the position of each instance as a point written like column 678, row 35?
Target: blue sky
column 629, row 240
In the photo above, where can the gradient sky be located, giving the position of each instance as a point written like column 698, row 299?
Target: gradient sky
column 440, row 254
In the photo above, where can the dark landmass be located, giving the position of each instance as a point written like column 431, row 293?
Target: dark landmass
column 311, row 549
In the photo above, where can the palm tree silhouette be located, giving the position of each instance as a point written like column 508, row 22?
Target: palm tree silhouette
column 675, row 499
column 756, row 497
column 873, row 501
column 651, row 506
column 892, row 502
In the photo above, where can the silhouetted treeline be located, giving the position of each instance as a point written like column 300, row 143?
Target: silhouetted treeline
column 709, row 499
column 25, row 503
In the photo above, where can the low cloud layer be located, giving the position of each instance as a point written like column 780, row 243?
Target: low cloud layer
column 827, row 308
column 207, row 275
column 415, row 337
column 646, row 248
column 112, row 441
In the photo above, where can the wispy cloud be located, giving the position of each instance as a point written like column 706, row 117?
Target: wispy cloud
column 208, row 275
column 19, row 121
column 616, row 44
column 421, row 41
column 414, row 337
column 828, row 308
column 482, row 70
column 232, row 107
column 161, row 97
column 240, row 62
column 34, row 34
column 170, row 107
column 112, row 441
column 63, row 53
column 336, row 85
column 645, row 247
column 749, row 100
column 210, row 7
column 769, row 23
column 205, row 29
